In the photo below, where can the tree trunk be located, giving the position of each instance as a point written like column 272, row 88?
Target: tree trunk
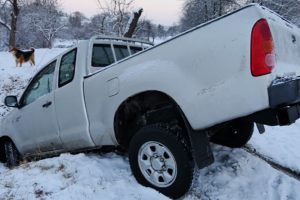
column 102, row 29
column 12, row 33
column 206, row 11
column 14, row 18
column 133, row 23
column 50, row 45
column 220, row 8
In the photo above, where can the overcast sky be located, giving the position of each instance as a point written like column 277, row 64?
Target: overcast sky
column 166, row 12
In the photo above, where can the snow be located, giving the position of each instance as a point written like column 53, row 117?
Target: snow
column 280, row 144
column 235, row 174
column 159, row 40
column 61, row 43
column 74, row 177
column 285, row 78
column 8, row 65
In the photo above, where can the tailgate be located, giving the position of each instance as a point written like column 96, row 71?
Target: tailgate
column 286, row 37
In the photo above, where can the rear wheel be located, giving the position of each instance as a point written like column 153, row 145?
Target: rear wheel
column 12, row 155
column 235, row 135
column 161, row 160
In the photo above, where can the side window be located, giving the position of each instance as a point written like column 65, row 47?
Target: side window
column 121, row 52
column 41, row 85
column 67, row 68
column 102, row 55
column 135, row 50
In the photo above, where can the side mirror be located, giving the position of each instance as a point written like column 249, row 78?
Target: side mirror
column 11, row 101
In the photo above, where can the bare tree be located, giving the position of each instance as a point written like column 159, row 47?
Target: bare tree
column 146, row 30
column 117, row 14
column 43, row 20
column 14, row 18
column 289, row 9
column 12, row 27
column 199, row 11
column 3, row 15
column 102, row 24
column 48, row 22
column 161, row 32
column 76, row 19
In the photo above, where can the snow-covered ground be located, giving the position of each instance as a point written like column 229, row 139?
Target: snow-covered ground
column 235, row 174
column 280, row 144
column 75, row 177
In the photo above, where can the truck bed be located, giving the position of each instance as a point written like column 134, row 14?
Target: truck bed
column 206, row 71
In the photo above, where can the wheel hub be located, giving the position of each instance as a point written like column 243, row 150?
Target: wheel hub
column 157, row 164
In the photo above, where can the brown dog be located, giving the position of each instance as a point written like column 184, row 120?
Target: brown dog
column 23, row 56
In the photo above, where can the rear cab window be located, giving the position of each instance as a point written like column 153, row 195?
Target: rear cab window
column 135, row 50
column 102, row 55
column 121, row 52
column 106, row 52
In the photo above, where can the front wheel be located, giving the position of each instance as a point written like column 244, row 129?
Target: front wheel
column 12, row 155
column 161, row 160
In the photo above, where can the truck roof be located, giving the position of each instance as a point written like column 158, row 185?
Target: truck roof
column 120, row 40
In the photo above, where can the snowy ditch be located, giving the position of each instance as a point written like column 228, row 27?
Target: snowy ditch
column 236, row 174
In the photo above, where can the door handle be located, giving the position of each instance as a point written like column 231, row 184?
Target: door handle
column 46, row 105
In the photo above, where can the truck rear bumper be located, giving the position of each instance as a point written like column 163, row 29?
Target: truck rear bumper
column 277, row 116
column 284, row 100
column 284, row 92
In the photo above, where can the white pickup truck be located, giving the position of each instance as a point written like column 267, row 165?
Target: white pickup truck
column 162, row 104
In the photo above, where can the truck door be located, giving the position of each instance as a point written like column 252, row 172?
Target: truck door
column 37, row 107
column 69, row 103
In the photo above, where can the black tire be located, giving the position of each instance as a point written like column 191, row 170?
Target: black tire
column 2, row 153
column 235, row 135
column 179, row 152
column 12, row 155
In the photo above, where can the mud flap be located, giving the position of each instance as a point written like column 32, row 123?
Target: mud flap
column 201, row 149
column 261, row 128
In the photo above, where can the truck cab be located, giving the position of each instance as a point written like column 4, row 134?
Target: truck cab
column 63, row 122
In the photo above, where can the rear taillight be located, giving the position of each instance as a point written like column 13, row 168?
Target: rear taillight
column 262, row 49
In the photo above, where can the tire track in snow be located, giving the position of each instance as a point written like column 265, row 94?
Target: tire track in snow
column 291, row 173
